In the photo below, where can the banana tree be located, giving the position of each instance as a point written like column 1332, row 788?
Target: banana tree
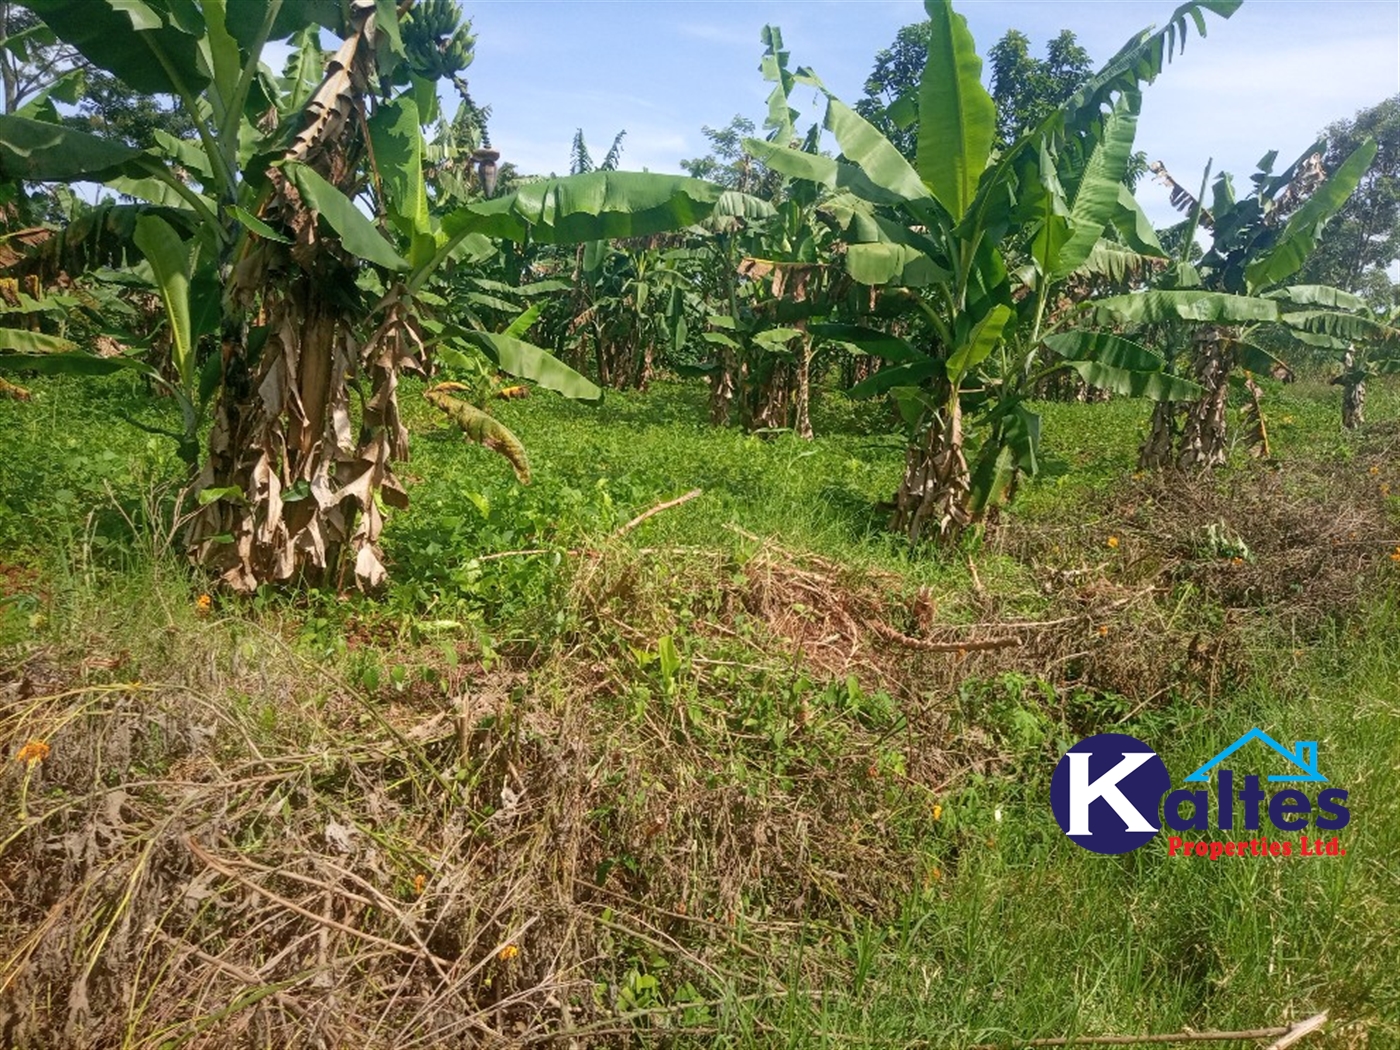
column 934, row 235
column 1365, row 342
column 779, row 277
column 1216, row 305
column 311, row 301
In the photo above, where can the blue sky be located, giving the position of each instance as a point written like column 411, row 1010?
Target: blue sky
column 1269, row 78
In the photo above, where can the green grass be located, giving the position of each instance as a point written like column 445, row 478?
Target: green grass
column 915, row 886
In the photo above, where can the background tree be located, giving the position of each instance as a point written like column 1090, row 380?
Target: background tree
column 1362, row 243
column 896, row 76
column 32, row 61
column 1027, row 89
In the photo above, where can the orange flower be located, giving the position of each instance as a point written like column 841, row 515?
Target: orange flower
column 33, row 752
column 203, row 604
column 1395, row 554
column 1103, row 630
column 419, row 881
column 1113, row 542
column 1374, row 470
column 1237, row 562
column 508, row 953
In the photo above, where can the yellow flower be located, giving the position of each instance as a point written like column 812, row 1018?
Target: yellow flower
column 1385, row 489
column 1113, row 542
column 1374, row 470
column 937, row 811
column 1237, row 562
column 1103, row 630
column 33, row 752
column 419, row 881
column 508, row 953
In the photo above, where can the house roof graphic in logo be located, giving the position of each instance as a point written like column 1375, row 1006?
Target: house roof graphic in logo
column 1303, row 755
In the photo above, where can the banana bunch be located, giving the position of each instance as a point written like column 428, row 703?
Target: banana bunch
column 438, row 41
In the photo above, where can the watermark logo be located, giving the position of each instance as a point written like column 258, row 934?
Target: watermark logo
column 1111, row 793
column 1106, row 792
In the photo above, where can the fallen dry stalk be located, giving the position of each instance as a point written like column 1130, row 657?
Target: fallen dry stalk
column 1290, row 1034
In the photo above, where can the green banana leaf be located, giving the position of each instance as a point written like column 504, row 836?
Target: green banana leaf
column 594, row 206
column 957, row 117
column 528, row 361
column 34, row 151
column 170, row 262
column 356, row 232
column 1163, row 306
column 1299, row 237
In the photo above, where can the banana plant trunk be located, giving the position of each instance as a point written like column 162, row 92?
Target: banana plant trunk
column 934, row 496
column 722, row 389
column 1192, row 435
column 802, row 409
column 1354, row 404
column 289, row 485
column 1353, row 384
column 1202, row 444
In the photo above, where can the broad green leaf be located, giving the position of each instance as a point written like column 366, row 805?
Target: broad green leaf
column 213, row 494
column 491, row 302
column 357, row 234
column 1135, row 227
column 33, row 151
column 220, row 53
column 74, row 363
column 1212, row 307
column 911, row 374
column 1114, row 261
column 23, row 341
column 531, row 362
column 133, row 39
column 189, row 155
column 256, row 225
column 991, row 478
column 670, row 658
column 522, row 324
column 981, row 341
column 1299, row 237
column 811, row 167
column 872, row 153
column 398, row 160
column 594, row 206
column 1106, row 348
column 957, row 118
column 1155, row 386
column 898, row 264
column 1096, row 201
column 245, row 19
column 1319, row 295
column 1254, row 358
column 170, row 262
column 305, row 67
column 1349, row 327
column 871, row 340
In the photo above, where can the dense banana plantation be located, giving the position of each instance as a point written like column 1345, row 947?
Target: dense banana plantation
column 325, row 230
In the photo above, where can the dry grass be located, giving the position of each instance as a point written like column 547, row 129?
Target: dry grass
column 244, row 849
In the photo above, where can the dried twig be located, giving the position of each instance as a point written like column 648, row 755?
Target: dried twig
column 1290, row 1035
column 656, row 510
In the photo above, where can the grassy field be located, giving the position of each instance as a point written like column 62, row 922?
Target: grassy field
column 741, row 775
